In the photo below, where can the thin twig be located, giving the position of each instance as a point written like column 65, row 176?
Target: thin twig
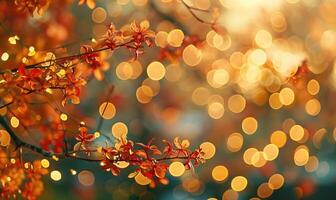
column 11, row 102
column 66, row 58
column 72, row 155
column 101, row 119
column 7, row 104
column 191, row 11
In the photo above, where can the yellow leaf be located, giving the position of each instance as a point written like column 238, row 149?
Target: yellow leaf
column 185, row 143
column 77, row 146
column 132, row 175
column 91, row 4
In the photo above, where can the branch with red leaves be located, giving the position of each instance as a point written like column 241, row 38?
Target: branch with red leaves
column 147, row 159
column 62, row 74
column 68, row 74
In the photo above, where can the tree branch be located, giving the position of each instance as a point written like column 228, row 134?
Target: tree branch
column 65, row 58
column 7, row 104
column 20, row 143
column 191, row 11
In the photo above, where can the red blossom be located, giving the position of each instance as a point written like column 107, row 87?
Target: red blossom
column 145, row 158
column 83, row 136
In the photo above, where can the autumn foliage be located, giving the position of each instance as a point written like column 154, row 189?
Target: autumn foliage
column 60, row 78
column 130, row 99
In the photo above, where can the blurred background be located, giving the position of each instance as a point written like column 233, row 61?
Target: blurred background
column 258, row 83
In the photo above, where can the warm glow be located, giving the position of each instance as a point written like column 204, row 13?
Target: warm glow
column 86, row 178
column 271, row 152
column 107, row 110
column 313, row 107
column 4, row 138
column 313, row 87
column 55, row 175
column 175, row 38
column 156, row 71
column 220, row 173
column 276, row 181
column 216, row 110
column 209, row 149
column 248, row 154
column 286, row 96
column 279, row 138
column 45, row 163
column 249, row 125
column 264, row 190
column 296, row 133
column 119, row 130
column 15, row 122
column 235, row 142
column 238, row 183
column 301, row 155
column 192, row 55
column 176, row 169
column 236, row 103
